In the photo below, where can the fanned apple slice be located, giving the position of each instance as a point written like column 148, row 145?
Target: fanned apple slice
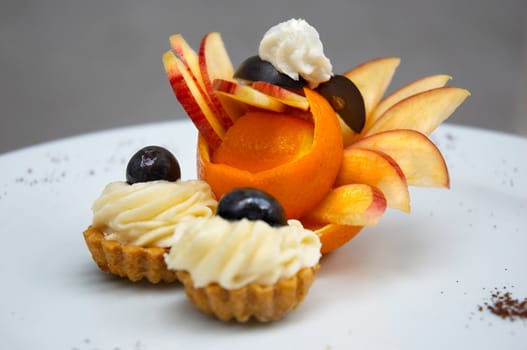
column 372, row 78
column 214, row 60
column 285, row 96
column 418, row 86
column 214, row 63
column 422, row 112
column 190, row 58
column 248, row 95
column 187, row 55
column 234, row 108
column 348, row 135
column 355, row 204
column 193, row 99
column 376, row 169
column 420, row 160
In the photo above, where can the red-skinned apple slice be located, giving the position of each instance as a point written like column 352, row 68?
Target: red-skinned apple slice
column 248, row 95
column 376, row 169
column 372, row 78
column 420, row 160
column 187, row 55
column 418, row 86
column 214, row 59
column 422, row 112
column 285, row 96
column 214, row 63
column 355, row 204
column 234, row 108
column 193, row 99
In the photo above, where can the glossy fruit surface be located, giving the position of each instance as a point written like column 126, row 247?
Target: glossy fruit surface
column 297, row 184
column 256, row 69
column 193, row 98
column 260, row 141
column 152, row 163
column 346, row 100
column 251, row 204
column 333, row 236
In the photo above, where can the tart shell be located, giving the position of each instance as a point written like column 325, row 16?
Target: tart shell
column 133, row 262
column 263, row 303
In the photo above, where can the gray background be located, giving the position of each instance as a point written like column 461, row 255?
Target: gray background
column 71, row 67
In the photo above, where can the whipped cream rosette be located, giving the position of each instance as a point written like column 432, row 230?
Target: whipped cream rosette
column 245, row 265
column 134, row 222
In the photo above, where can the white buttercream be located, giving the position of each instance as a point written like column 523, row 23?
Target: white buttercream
column 145, row 213
column 294, row 48
column 236, row 253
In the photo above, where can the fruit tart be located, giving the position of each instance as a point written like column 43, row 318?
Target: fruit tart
column 246, row 262
column 329, row 147
column 134, row 221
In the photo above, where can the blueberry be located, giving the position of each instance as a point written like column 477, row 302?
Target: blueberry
column 346, row 100
column 152, row 163
column 256, row 69
column 251, row 204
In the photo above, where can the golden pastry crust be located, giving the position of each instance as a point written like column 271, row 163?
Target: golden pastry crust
column 129, row 261
column 264, row 303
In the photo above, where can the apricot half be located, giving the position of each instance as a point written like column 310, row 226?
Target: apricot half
column 300, row 178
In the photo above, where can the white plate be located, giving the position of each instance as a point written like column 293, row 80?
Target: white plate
column 413, row 282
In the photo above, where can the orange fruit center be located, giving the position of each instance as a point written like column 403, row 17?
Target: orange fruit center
column 299, row 159
column 263, row 140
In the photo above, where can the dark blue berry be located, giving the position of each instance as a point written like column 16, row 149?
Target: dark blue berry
column 251, row 204
column 152, row 163
column 346, row 100
column 256, row 69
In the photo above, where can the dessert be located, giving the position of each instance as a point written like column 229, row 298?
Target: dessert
column 134, row 222
column 328, row 147
column 247, row 262
column 300, row 158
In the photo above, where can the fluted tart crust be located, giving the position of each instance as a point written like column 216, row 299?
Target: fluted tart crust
column 132, row 262
column 263, row 303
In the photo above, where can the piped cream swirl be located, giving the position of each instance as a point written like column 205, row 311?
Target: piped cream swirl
column 146, row 213
column 234, row 254
column 295, row 49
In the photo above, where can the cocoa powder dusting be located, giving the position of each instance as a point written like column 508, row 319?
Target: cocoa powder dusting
column 504, row 305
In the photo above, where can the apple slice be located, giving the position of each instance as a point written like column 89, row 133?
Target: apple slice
column 422, row 112
column 376, row 169
column 193, row 99
column 246, row 94
column 355, row 204
column 234, row 108
column 213, row 58
column 285, row 96
column 372, row 78
column 417, row 156
column 418, row 86
column 214, row 63
column 348, row 135
column 187, row 55
column 190, row 58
